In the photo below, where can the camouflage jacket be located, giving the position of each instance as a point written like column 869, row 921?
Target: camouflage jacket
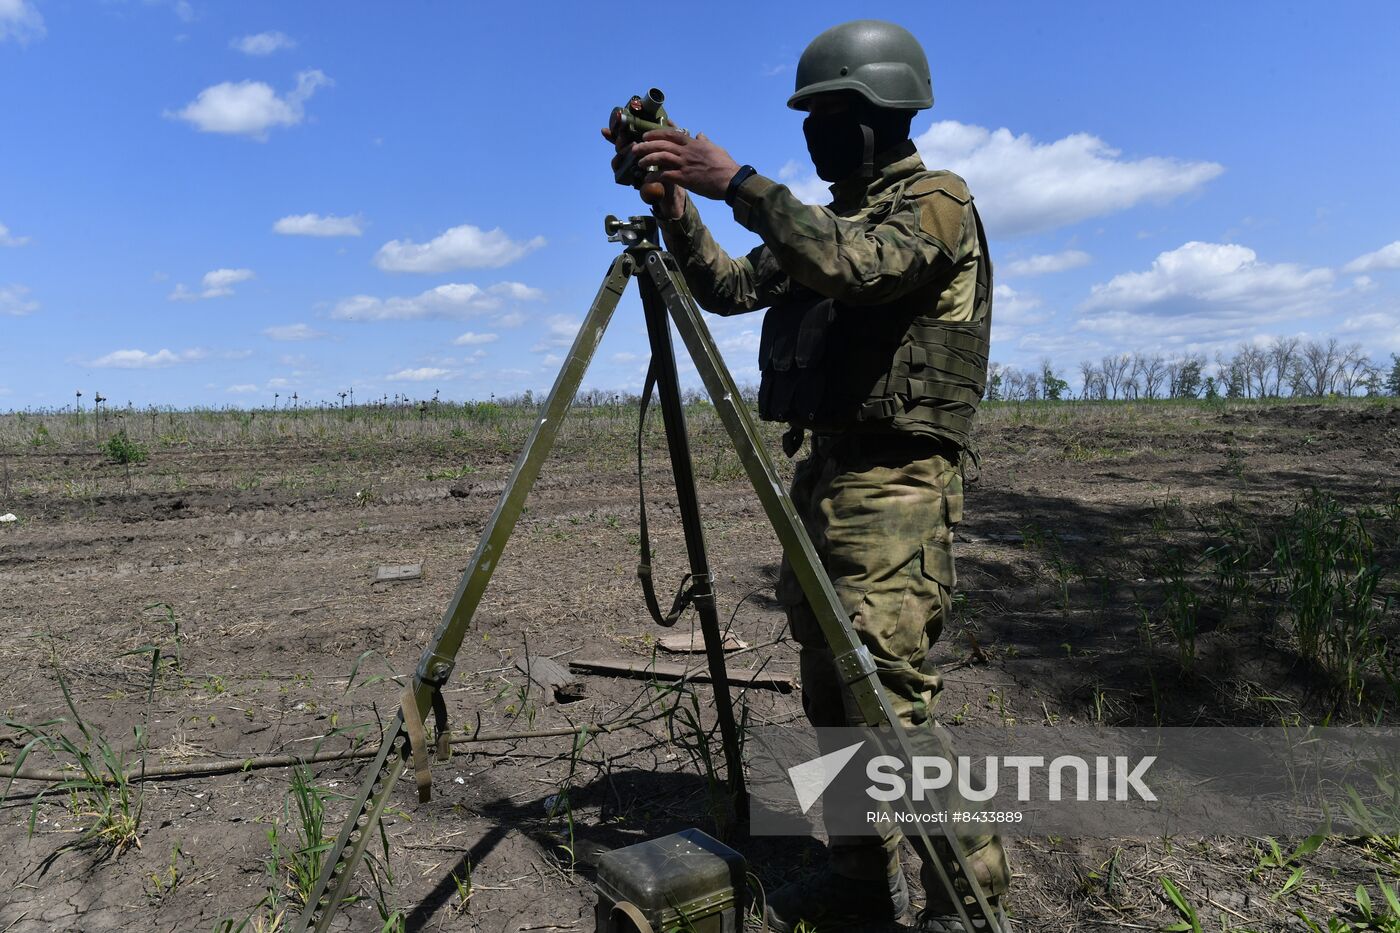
column 880, row 239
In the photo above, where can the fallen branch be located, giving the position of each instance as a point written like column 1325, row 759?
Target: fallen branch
column 141, row 772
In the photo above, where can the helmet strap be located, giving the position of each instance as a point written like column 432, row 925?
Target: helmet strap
column 867, row 163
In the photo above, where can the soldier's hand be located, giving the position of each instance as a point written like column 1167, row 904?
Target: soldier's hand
column 694, row 163
column 669, row 201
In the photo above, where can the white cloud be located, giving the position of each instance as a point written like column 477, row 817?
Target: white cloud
column 516, row 291
column 14, row 300
column 1025, row 186
column 218, row 283
column 1374, row 320
column 511, row 319
column 804, row 183
column 251, row 108
column 316, row 225
column 20, row 21
column 1012, row 312
column 464, row 247
column 424, row 374
column 7, row 238
column 1225, row 278
column 293, row 332
column 140, row 359
column 745, row 341
column 263, row 43
column 1046, row 264
column 1387, row 257
column 1211, row 293
column 446, row 301
column 560, row 331
column 243, row 388
column 470, row 339
column 1010, row 306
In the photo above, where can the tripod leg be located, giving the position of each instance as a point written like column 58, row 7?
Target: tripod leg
column 702, row 587
column 335, row 882
column 853, row 660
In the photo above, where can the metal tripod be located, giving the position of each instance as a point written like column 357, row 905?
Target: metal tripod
column 664, row 292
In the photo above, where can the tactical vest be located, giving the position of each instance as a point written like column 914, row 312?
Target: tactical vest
column 833, row 367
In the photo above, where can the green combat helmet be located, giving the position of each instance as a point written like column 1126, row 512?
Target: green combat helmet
column 882, row 62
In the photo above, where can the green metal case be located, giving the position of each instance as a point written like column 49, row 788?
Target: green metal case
column 683, row 882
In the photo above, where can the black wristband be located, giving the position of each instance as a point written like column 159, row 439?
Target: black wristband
column 741, row 176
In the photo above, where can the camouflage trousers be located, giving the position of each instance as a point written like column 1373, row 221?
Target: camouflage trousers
column 880, row 510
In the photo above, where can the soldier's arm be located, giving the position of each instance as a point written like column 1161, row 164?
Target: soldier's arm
column 852, row 261
column 720, row 283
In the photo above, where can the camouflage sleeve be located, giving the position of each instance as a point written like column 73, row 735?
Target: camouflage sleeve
column 721, row 284
column 868, row 261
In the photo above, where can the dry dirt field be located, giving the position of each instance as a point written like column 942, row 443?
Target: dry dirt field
column 216, row 601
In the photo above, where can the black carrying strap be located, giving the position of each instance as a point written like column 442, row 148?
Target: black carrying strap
column 971, row 455
column 686, row 592
column 984, row 271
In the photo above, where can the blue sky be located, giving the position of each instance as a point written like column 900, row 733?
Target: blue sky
column 208, row 203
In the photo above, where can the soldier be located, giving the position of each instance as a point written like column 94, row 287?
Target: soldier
column 876, row 343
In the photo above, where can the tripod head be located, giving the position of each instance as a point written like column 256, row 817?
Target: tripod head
column 635, row 233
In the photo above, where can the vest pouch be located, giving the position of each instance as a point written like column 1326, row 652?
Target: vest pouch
column 791, row 351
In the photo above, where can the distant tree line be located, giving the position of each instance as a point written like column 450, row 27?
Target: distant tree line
column 1285, row 366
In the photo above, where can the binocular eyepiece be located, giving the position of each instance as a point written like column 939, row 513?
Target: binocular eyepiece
column 639, row 116
column 628, row 124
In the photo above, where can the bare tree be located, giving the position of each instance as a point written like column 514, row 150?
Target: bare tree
column 1092, row 379
column 1354, row 369
column 1115, row 370
column 1012, row 383
column 1232, row 380
column 1283, row 356
column 1254, row 364
column 1153, row 372
column 1317, row 370
column 1174, row 376
column 1132, row 388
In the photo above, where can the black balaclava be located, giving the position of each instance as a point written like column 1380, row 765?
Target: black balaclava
column 842, row 144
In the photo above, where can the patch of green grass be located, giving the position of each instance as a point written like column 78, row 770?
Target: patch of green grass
column 457, row 472
column 1190, row 920
column 102, row 794
column 298, row 842
column 122, row 449
column 1327, row 572
column 1181, row 606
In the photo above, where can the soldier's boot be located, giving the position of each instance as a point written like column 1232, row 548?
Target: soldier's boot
column 988, row 861
column 827, row 903
column 929, row 922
